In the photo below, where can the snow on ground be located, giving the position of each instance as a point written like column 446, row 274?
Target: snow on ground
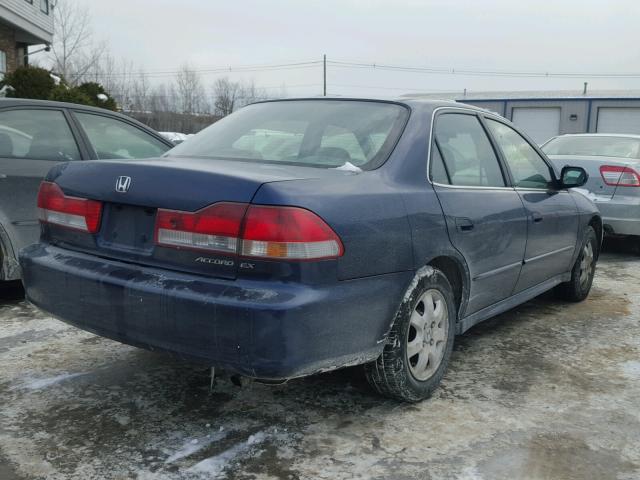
column 547, row 390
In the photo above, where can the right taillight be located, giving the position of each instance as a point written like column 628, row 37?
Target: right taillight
column 288, row 233
column 619, row 176
column 259, row 231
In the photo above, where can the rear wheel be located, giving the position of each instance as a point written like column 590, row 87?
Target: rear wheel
column 420, row 342
column 577, row 289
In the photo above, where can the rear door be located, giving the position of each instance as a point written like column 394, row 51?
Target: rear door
column 552, row 213
column 485, row 218
column 32, row 140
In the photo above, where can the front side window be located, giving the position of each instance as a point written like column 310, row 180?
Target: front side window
column 468, row 157
column 36, row 134
column 316, row 133
column 528, row 169
column 112, row 138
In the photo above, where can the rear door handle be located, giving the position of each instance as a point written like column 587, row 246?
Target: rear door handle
column 464, row 224
column 537, row 217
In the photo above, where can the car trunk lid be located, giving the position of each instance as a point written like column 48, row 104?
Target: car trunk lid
column 133, row 192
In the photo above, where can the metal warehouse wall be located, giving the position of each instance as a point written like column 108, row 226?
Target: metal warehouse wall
column 577, row 115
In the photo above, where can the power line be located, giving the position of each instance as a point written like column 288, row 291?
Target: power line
column 472, row 72
column 231, row 69
column 209, row 70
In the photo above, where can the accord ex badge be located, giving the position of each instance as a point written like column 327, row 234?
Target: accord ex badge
column 123, row 184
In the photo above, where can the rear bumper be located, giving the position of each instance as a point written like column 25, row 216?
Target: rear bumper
column 267, row 330
column 621, row 214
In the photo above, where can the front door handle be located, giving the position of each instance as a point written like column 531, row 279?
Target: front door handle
column 464, row 224
column 3, row 175
column 537, row 217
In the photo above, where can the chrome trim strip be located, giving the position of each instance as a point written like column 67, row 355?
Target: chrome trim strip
column 25, row 223
column 470, row 187
column 532, row 189
column 548, row 254
column 490, row 273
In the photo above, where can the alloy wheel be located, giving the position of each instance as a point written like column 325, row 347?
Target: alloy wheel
column 427, row 334
column 586, row 264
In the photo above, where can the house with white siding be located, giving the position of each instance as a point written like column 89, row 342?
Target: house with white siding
column 23, row 23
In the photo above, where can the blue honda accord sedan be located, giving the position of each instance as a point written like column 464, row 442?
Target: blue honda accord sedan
column 300, row 236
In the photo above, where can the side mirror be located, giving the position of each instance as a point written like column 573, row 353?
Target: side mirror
column 572, row 177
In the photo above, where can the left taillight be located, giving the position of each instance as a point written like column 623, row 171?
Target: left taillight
column 71, row 212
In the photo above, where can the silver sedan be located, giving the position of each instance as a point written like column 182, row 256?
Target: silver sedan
column 613, row 164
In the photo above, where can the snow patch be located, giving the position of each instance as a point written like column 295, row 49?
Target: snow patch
column 37, row 384
column 192, row 446
column 422, row 272
column 214, row 466
column 349, row 167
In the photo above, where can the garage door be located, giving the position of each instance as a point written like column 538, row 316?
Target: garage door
column 618, row 120
column 540, row 123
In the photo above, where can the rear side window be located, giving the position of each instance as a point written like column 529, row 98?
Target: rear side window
column 469, row 158
column 36, row 134
column 528, row 169
column 112, row 138
column 318, row 133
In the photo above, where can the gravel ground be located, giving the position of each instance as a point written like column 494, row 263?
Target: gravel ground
column 546, row 391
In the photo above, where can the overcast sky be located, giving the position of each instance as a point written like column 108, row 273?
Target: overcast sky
column 584, row 36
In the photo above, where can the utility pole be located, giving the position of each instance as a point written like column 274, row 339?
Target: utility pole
column 584, row 91
column 324, row 75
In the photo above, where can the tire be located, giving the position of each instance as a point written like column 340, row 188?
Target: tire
column 583, row 271
column 429, row 302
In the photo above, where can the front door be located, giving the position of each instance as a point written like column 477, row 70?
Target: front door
column 31, row 142
column 485, row 218
column 552, row 213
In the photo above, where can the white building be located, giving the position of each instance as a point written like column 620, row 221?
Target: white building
column 23, row 23
column 546, row 114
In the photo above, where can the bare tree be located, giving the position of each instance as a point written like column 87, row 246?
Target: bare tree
column 225, row 94
column 229, row 96
column 190, row 92
column 74, row 52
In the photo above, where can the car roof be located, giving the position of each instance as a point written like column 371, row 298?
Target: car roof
column 29, row 102
column 610, row 135
column 10, row 102
column 417, row 103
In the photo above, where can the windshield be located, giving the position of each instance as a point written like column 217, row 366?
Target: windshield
column 320, row 133
column 592, row 145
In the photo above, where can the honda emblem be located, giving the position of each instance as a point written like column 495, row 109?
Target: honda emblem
column 123, row 184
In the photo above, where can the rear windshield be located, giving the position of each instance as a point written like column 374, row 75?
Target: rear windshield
column 319, row 133
column 597, row 146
